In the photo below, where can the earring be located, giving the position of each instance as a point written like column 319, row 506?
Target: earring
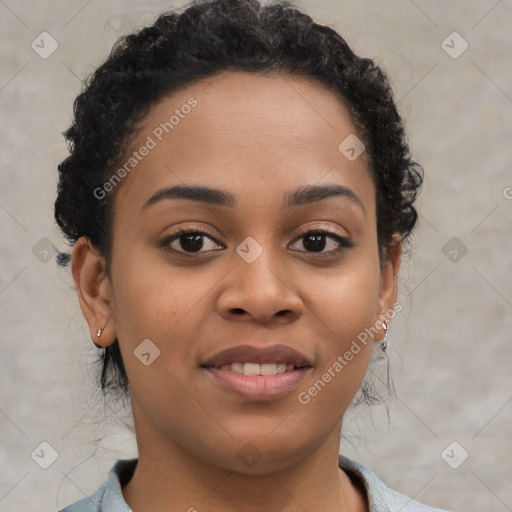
column 96, row 344
column 384, row 342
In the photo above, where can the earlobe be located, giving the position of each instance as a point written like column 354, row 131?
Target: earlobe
column 88, row 267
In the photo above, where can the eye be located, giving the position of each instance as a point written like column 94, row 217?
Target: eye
column 189, row 240
column 317, row 240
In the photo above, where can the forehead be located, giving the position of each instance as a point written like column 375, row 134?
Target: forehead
column 249, row 133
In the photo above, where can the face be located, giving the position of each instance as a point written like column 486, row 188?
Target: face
column 273, row 270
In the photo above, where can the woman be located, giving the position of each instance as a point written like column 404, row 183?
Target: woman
column 238, row 191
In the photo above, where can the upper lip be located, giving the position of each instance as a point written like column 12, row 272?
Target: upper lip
column 251, row 354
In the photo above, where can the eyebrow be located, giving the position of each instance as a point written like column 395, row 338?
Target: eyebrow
column 305, row 194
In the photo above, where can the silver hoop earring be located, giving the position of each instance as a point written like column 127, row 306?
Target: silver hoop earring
column 384, row 342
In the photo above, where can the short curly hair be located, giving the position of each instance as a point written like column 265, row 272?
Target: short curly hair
column 207, row 37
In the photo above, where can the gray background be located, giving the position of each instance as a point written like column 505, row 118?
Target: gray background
column 450, row 347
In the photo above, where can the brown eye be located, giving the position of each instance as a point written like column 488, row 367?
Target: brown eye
column 316, row 241
column 189, row 241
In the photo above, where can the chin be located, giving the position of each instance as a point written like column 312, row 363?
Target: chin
column 259, row 455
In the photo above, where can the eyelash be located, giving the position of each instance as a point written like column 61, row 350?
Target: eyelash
column 344, row 243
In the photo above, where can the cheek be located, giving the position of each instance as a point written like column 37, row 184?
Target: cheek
column 167, row 306
column 151, row 298
column 151, row 302
column 345, row 309
column 347, row 300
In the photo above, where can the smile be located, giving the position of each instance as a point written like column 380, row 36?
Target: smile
column 259, row 369
column 258, row 374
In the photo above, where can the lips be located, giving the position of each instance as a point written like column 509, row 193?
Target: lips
column 258, row 374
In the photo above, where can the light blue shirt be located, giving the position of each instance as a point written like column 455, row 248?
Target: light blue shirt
column 109, row 498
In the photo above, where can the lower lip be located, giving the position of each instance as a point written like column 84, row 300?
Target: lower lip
column 258, row 387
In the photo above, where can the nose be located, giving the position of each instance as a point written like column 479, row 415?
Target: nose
column 259, row 292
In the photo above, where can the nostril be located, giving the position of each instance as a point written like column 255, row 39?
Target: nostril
column 238, row 311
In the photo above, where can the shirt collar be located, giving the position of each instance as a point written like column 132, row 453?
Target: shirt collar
column 118, row 476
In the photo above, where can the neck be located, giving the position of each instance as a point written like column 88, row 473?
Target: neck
column 170, row 479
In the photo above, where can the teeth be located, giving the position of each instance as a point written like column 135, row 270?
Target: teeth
column 268, row 369
column 237, row 367
column 281, row 368
column 252, row 368
column 258, row 369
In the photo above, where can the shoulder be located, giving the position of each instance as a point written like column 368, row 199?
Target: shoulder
column 381, row 497
column 88, row 504
column 108, row 497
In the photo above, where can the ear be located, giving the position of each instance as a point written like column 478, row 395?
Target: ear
column 389, row 283
column 94, row 292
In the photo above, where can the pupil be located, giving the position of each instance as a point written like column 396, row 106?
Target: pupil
column 318, row 244
column 192, row 242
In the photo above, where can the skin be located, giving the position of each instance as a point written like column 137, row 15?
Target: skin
column 257, row 137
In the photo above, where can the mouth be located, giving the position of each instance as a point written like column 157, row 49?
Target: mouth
column 260, row 368
column 258, row 374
